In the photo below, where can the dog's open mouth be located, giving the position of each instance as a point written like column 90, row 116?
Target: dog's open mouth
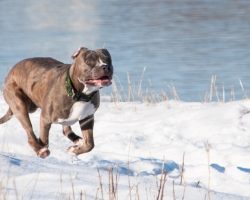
column 103, row 81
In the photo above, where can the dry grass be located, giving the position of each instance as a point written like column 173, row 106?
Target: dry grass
column 107, row 189
column 207, row 148
column 161, row 186
column 136, row 91
column 108, row 186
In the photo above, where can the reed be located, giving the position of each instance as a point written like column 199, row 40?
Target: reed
column 207, row 148
column 142, row 91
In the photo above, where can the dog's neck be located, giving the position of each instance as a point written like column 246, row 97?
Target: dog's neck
column 73, row 74
column 78, row 84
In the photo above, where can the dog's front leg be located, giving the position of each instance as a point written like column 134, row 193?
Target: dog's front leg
column 44, row 138
column 87, row 143
column 67, row 131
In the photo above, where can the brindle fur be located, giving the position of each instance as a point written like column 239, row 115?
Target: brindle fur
column 40, row 83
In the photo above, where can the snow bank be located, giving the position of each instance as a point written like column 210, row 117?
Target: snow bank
column 138, row 140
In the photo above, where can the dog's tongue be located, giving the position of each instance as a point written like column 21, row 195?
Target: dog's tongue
column 99, row 82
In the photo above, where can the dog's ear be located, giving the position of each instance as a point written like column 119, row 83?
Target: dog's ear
column 105, row 53
column 81, row 49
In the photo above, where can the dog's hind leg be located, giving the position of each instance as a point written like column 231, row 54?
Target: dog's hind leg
column 6, row 117
column 20, row 108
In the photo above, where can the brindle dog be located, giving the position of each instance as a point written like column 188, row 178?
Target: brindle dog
column 65, row 94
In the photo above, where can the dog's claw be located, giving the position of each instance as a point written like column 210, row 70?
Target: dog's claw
column 43, row 152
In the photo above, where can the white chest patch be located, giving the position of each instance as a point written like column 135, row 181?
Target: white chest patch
column 79, row 110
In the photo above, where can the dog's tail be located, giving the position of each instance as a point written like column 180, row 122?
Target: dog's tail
column 6, row 117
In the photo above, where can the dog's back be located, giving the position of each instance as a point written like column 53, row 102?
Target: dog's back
column 34, row 76
column 34, row 68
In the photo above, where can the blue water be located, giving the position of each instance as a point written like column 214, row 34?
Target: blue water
column 180, row 43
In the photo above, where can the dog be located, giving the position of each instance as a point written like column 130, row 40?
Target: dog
column 65, row 93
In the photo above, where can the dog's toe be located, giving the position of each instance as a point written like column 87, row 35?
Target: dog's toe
column 72, row 150
column 43, row 152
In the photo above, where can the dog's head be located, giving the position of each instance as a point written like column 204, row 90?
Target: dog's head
column 94, row 68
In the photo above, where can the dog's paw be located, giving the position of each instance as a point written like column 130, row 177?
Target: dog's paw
column 72, row 150
column 79, row 149
column 43, row 152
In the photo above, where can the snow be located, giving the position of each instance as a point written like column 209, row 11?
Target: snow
column 138, row 140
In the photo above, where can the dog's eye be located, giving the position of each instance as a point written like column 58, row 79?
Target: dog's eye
column 91, row 59
column 91, row 63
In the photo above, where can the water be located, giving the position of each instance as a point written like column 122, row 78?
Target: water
column 180, row 43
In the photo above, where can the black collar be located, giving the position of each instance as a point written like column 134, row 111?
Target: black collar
column 76, row 95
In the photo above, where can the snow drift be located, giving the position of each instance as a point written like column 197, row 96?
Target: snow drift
column 139, row 141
